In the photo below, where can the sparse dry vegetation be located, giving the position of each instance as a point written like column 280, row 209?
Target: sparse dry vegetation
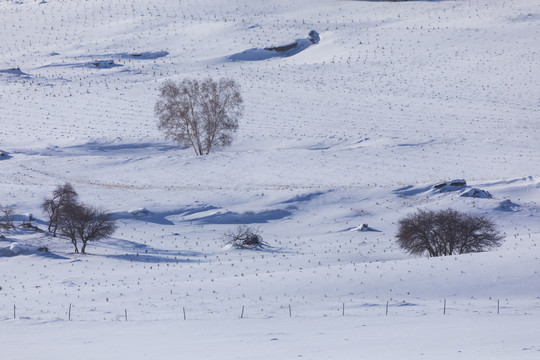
column 245, row 237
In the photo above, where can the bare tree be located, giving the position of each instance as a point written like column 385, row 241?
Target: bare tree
column 69, row 222
column 201, row 114
column 95, row 224
column 85, row 223
column 446, row 232
column 63, row 196
column 6, row 217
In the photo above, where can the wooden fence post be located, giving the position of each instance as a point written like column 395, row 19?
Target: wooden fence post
column 444, row 308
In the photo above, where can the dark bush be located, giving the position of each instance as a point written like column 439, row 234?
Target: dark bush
column 446, row 232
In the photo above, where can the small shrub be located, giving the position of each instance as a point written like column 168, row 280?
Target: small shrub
column 244, row 237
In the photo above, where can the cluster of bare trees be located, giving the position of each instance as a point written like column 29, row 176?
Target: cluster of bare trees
column 435, row 233
column 75, row 220
column 204, row 115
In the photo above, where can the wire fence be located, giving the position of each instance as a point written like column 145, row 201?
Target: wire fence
column 124, row 312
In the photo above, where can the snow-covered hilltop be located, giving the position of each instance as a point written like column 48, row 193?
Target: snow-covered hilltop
column 360, row 122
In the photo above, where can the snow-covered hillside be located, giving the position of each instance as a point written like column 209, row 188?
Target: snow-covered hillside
column 355, row 129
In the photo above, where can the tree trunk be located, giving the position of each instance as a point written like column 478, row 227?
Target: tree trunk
column 74, row 242
column 83, row 249
column 54, row 221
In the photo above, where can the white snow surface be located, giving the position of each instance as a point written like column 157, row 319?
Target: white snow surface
column 395, row 98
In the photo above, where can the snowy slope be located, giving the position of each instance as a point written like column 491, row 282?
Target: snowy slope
column 395, row 98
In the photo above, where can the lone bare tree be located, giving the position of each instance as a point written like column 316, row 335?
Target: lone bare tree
column 63, row 196
column 446, row 232
column 201, row 114
column 6, row 217
column 85, row 223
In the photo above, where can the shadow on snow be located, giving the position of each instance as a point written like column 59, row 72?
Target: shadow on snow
column 248, row 217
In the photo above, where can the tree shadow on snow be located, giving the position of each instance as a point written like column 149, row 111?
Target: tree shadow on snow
column 153, row 259
column 136, row 252
column 120, row 148
column 15, row 72
column 146, row 55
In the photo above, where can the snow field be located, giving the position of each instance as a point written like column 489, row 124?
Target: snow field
column 396, row 97
column 450, row 337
